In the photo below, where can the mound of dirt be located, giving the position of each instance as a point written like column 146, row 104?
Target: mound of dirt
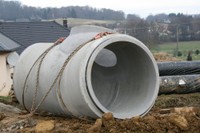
column 164, row 117
column 163, row 57
column 153, row 122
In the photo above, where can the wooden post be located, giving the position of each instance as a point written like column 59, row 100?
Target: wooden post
column 177, row 39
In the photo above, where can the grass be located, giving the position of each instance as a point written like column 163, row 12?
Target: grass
column 7, row 99
column 183, row 47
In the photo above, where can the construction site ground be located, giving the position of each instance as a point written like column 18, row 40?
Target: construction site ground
column 170, row 114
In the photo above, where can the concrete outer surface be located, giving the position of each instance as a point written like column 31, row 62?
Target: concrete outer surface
column 5, row 75
column 127, row 86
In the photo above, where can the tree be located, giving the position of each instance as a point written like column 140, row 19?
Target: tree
column 19, row 11
column 73, row 13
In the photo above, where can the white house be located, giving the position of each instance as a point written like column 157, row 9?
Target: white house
column 8, row 59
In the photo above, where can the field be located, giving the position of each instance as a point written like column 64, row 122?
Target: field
column 183, row 47
column 78, row 21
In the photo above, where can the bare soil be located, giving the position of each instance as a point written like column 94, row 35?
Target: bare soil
column 163, row 57
column 171, row 113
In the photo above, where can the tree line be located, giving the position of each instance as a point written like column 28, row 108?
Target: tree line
column 163, row 28
column 12, row 10
column 152, row 30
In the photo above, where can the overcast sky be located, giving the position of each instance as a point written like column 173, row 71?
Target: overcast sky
column 142, row 8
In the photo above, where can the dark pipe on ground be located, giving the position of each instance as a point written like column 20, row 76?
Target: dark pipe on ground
column 179, row 84
column 179, row 68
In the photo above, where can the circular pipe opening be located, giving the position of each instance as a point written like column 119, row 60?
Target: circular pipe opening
column 128, row 88
column 106, row 58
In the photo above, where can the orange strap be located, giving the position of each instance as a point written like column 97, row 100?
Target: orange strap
column 60, row 40
column 100, row 35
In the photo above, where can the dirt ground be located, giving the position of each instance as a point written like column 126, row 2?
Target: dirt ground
column 163, row 57
column 171, row 113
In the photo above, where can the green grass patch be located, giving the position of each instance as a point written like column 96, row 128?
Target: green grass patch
column 183, row 47
column 7, row 99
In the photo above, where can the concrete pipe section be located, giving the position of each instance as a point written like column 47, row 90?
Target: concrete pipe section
column 112, row 73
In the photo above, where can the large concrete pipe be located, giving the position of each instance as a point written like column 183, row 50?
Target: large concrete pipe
column 112, row 73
